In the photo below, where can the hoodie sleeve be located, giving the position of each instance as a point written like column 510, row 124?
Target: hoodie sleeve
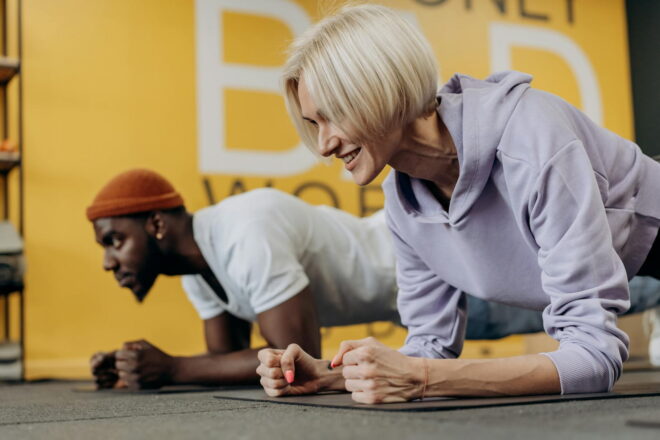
column 581, row 272
column 434, row 312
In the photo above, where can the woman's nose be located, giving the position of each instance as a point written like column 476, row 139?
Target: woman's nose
column 328, row 141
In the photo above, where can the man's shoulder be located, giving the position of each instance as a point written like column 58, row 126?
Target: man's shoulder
column 260, row 203
column 253, row 213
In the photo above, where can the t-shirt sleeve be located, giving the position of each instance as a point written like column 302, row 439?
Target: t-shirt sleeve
column 581, row 273
column 204, row 301
column 265, row 264
column 434, row 312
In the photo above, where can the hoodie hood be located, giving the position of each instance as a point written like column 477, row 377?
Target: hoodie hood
column 476, row 112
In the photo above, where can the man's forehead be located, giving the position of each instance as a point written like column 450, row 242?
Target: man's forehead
column 107, row 224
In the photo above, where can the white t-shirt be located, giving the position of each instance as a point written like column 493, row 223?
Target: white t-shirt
column 265, row 246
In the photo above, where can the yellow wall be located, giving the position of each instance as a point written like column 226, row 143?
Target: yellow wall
column 112, row 84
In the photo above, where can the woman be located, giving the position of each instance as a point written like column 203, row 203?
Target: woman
column 499, row 190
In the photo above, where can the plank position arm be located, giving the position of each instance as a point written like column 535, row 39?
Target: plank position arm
column 292, row 321
column 229, row 359
column 375, row 373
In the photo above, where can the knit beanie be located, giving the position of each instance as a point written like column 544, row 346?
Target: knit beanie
column 134, row 191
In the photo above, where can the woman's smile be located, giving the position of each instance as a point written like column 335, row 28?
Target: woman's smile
column 350, row 159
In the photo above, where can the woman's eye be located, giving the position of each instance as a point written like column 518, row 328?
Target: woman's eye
column 116, row 242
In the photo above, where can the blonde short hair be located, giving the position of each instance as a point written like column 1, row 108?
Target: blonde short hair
column 367, row 70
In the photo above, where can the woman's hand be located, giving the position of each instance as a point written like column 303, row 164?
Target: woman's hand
column 292, row 372
column 375, row 373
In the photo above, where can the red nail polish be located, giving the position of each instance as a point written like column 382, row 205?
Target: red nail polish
column 288, row 375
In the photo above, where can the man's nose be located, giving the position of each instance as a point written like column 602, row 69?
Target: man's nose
column 109, row 261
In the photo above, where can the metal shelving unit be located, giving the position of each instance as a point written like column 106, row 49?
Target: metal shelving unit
column 12, row 174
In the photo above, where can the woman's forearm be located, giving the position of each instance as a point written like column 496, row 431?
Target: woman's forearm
column 520, row 375
column 330, row 379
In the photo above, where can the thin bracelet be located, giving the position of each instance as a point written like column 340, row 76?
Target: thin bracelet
column 426, row 377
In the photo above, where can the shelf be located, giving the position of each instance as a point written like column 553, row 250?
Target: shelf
column 12, row 259
column 10, row 352
column 9, row 67
column 11, row 372
column 8, row 160
column 12, row 288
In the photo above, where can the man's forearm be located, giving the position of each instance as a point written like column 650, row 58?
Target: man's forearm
column 217, row 369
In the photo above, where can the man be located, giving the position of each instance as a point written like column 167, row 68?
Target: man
column 264, row 257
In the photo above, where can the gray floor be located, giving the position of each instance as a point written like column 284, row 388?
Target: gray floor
column 54, row 410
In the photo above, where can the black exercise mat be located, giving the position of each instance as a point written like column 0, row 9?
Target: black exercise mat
column 170, row 389
column 651, row 424
column 631, row 385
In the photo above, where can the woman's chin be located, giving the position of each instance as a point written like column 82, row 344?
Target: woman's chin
column 362, row 178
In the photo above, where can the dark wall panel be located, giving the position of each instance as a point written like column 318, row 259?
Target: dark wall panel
column 644, row 38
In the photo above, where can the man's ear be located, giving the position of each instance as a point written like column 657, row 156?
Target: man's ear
column 155, row 225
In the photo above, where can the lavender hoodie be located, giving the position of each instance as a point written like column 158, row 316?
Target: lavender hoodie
column 550, row 212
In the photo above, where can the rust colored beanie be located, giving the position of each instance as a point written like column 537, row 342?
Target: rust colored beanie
column 134, row 191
